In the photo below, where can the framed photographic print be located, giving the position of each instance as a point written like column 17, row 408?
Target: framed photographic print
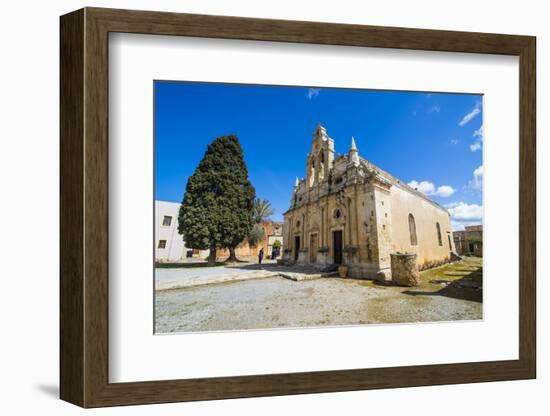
column 255, row 207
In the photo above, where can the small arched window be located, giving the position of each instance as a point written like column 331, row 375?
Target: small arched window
column 412, row 230
column 438, row 234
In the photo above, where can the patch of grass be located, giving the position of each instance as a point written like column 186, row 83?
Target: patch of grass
column 365, row 283
column 470, row 268
column 440, row 280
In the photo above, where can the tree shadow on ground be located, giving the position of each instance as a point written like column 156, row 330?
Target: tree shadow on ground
column 274, row 267
column 469, row 287
column 187, row 265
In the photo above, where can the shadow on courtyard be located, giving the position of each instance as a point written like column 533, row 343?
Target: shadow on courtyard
column 187, row 265
column 468, row 287
column 274, row 267
column 200, row 263
column 267, row 265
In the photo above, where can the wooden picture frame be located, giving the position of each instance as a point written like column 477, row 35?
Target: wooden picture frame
column 84, row 207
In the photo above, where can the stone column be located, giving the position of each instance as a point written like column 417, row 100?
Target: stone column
column 404, row 270
column 327, row 222
column 290, row 243
column 303, row 231
column 348, row 220
column 322, row 233
column 358, row 225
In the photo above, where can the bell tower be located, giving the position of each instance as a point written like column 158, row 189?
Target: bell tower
column 320, row 158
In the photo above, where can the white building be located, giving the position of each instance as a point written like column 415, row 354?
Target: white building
column 169, row 244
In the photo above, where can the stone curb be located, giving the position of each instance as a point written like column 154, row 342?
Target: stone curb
column 258, row 274
column 199, row 281
column 298, row 277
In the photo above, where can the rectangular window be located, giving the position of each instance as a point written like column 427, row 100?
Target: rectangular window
column 162, row 243
column 167, row 221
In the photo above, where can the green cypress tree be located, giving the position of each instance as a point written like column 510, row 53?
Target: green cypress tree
column 217, row 206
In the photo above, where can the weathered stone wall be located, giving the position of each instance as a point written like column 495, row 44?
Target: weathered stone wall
column 374, row 223
column 426, row 216
column 353, row 211
column 404, row 269
column 469, row 241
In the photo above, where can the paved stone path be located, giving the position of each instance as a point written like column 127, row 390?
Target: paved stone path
column 276, row 302
column 252, row 297
column 180, row 278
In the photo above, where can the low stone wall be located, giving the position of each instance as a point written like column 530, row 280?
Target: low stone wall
column 363, row 271
column 404, row 270
column 435, row 263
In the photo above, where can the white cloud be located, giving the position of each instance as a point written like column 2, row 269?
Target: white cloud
column 425, row 187
column 475, row 146
column 428, row 188
column 466, row 212
column 312, row 93
column 477, row 180
column 444, row 191
column 455, row 141
column 478, row 135
column 479, row 132
column 461, row 225
column 468, row 117
column 434, row 109
column 463, row 214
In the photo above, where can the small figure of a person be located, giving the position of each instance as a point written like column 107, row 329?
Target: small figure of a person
column 260, row 255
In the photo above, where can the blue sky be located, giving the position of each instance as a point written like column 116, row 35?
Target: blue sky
column 430, row 140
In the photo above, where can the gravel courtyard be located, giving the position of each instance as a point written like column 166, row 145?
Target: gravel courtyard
column 445, row 294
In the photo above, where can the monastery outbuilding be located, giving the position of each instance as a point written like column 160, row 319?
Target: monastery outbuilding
column 347, row 211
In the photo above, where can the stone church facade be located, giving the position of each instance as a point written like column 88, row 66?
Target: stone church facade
column 348, row 211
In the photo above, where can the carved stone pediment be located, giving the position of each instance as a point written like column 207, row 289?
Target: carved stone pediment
column 341, row 198
column 378, row 181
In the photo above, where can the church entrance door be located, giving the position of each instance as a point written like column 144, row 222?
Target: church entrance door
column 337, row 246
column 313, row 246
